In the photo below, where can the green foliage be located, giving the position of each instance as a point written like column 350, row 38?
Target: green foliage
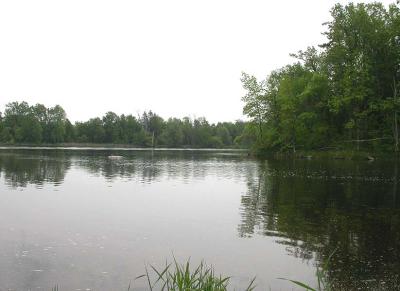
column 256, row 104
column 70, row 131
column 222, row 133
column 183, row 277
column 344, row 95
column 38, row 124
column 173, row 133
column 30, row 130
column 111, row 128
column 20, row 124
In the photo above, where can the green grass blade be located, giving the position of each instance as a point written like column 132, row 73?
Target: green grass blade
column 251, row 287
column 298, row 283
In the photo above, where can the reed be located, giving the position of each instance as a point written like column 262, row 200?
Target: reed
column 184, row 277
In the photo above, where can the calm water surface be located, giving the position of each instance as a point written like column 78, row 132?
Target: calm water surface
column 81, row 220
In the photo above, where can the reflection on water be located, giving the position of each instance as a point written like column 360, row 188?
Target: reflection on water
column 19, row 171
column 23, row 167
column 316, row 207
column 266, row 218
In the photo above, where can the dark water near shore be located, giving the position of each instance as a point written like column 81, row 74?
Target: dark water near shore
column 81, row 220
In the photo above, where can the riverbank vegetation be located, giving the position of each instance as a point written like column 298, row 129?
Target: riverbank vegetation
column 181, row 277
column 342, row 95
column 37, row 124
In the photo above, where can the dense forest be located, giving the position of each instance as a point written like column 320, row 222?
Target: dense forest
column 22, row 123
column 343, row 94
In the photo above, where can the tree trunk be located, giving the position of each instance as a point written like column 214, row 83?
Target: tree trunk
column 396, row 133
column 395, row 179
column 294, row 140
column 260, row 128
column 396, row 127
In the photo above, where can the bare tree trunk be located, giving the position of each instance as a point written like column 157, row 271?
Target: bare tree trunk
column 395, row 179
column 396, row 127
column 294, row 140
column 396, row 133
column 260, row 123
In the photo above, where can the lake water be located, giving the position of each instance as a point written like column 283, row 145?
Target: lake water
column 82, row 220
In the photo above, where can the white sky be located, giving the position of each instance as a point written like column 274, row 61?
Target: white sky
column 177, row 58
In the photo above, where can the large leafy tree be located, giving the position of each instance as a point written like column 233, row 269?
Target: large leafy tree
column 255, row 106
column 362, row 57
column 111, row 122
column 56, row 124
column 20, row 124
column 344, row 95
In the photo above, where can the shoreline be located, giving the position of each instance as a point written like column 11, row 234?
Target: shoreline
column 123, row 147
column 345, row 155
column 348, row 155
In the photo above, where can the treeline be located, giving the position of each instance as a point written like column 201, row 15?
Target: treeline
column 22, row 123
column 343, row 94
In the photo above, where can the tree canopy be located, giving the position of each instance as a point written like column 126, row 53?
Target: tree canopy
column 343, row 94
column 22, row 123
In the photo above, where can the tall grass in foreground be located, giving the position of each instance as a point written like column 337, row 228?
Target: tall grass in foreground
column 181, row 277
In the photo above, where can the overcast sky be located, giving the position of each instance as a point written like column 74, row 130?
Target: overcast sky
column 177, row 58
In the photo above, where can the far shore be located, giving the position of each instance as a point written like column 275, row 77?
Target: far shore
column 327, row 154
column 96, row 146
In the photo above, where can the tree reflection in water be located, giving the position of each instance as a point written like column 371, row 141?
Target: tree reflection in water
column 314, row 207
column 22, row 169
